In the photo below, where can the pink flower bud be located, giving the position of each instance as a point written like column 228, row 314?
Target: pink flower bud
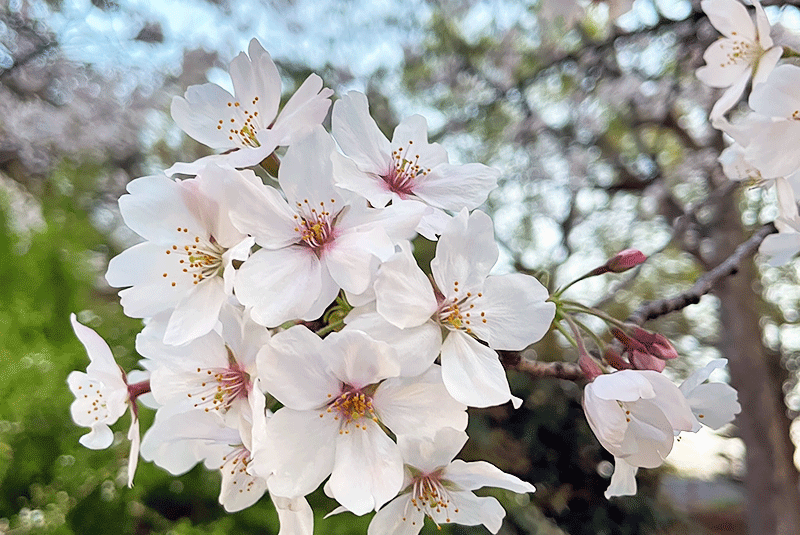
column 589, row 367
column 644, row 361
column 625, row 260
column 657, row 344
column 615, row 359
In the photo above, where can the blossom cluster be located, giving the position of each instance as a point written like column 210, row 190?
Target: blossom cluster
column 291, row 338
column 763, row 137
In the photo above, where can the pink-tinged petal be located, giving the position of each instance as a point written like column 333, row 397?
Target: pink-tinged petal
column 292, row 368
column 359, row 137
column 295, row 516
column 714, row 404
column 398, row 517
column 305, row 110
column 411, row 140
column 261, row 212
column 625, row 385
column 465, row 254
column 404, row 296
column 766, row 64
column 135, row 439
column 256, row 82
column 358, row 360
column 415, row 347
column 779, row 95
column 471, row 476
column 473, row 374
column 198, row 114
column 197, row 313
column 368, row 471
column 454, row 187
column 298, row 451
column 512, row 312
column 350, row 259
column 623, row 480
column 279, row 285
column 730, row 18
column 348, row 176
column 469, row 510
column 606, row 419
column 429, row 455
column 418, row 406
column 99, row 438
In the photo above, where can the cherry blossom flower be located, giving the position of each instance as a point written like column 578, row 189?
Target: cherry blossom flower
column 507, row 312
column 314, row 244
column 102, row 395
column 213, row 373
column 732, row 59
column 405, row 169
column 338, row 395
column 185, row 264
column 246, row 121
column 712, row 404
column 634, row 414
column 441, row 489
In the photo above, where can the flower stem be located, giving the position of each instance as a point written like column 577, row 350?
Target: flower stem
column 330, row 328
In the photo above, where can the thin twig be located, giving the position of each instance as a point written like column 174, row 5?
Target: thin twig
column 703, row 285
column 514, row 360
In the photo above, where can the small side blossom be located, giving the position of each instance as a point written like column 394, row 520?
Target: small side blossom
column 746, row 49
column 102, row 395
column 185, row 264
column 246, row 121
column 713, row 404
column 437, row 487
column 635, row 414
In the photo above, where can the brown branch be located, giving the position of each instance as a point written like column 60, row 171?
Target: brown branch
column 514, row 360
column 703, row 285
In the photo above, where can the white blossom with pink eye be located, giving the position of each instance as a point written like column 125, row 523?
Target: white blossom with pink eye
column 102, row 395
column 313, row 243
column 437, row 487
column 407, row 169
column 507, row 312
column 186, row 263
column 746, row 49
column 338, row 394
column 246, row 121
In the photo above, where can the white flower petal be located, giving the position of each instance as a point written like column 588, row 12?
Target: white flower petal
column 398, row 517
column 623, row 480
column 475, row 475
column 295, row 516
column 473, row 374
column 368, row 470
column 465, row 254
column 197, row 313
column 404, row 296
column 358, row 135
column 454, row 187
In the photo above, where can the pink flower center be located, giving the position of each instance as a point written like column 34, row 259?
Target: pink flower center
column 404, row 172
column 316, row 226
column 351, row 406
column 219, row 388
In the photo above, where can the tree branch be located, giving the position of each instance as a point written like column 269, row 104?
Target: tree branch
column 703, row 285
column 514, row 360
